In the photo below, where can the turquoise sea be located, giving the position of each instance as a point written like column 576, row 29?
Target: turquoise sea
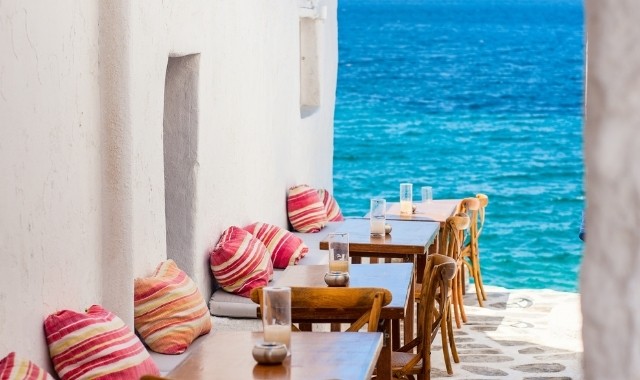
column 470, row 96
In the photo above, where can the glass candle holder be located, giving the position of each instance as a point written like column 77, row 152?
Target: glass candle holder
column 406, row 198
column 338, row 252
column 276, row 315
column 427, row 194
column 377, row 216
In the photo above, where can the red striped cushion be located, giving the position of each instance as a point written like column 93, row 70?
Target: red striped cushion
column 95, row 344
column 15, row 368
column 240, row 262
column 305, row 209
column 285, row 248
column 169, row 312
column 331, row 207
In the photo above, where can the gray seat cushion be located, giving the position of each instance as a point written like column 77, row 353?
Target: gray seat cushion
column 166, row 363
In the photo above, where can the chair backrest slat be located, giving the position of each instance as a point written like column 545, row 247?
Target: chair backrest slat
column 308, row 304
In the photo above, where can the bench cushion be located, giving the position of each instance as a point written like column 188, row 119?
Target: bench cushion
column 284, row 247
column 95, row 344
column 225, row 304
column 166, row 363
column 169, row 311
column 334, row 214
column 305, row 209
column 240, row 262
column 13, row 367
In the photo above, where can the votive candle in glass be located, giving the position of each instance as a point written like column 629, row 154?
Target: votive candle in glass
column 377, row 216
column 338, row 252
column 406, row 198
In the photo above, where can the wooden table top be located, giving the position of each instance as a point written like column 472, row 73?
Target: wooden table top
column 315, row 355
column 396, row 277
column 406, row 237
column 438, row 210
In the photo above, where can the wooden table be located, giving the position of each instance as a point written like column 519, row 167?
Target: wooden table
column 408, row 241
column 315, row 355
column 438, row 210
column 397, row 277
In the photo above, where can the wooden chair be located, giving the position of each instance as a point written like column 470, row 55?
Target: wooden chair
column 455, row 228
column 433, row 315
column 357, row 306
column 475, row 208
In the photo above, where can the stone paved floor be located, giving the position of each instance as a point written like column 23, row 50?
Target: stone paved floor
column 518, row 335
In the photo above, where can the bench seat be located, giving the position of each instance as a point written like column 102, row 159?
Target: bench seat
column 225, row 304
column 166, row 363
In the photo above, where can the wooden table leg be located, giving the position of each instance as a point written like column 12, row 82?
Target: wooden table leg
column 305, row 326
column 408, row 319
column 395, row 335
column 383, row 367
column 420, row 263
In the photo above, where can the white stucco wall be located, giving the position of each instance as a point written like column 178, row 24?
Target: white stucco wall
column 609, row 279
column 82, row 203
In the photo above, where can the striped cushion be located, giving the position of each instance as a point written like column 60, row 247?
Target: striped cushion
column 14, row 368
column 330, row 206
column 284, row 247
column 240, row 262
column 305, row 209
column 95, row 344
column 169, row 312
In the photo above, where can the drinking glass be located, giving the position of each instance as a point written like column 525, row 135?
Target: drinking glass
column 377, row 216
column 427, row 194
column 406, row 198
column 338, row 252
column 276, row 315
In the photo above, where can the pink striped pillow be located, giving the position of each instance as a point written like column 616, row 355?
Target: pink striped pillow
column 95, row 344
column 240, row 262
column 15, row 368
column 305, row 209
column 285, row 248
column 169, row 311
column 334, row 214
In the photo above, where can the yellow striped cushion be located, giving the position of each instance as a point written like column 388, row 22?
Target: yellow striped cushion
column 334, row 214
column 95, row 344
column 15, row 368
column 305, row 209
column 169, row 312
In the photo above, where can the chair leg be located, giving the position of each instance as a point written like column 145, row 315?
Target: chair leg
column 456, row 303
column 484, row 296
column 476, row 282
column 452, row 341
column 474, row 271
column 445, row 344
column 458, row 280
